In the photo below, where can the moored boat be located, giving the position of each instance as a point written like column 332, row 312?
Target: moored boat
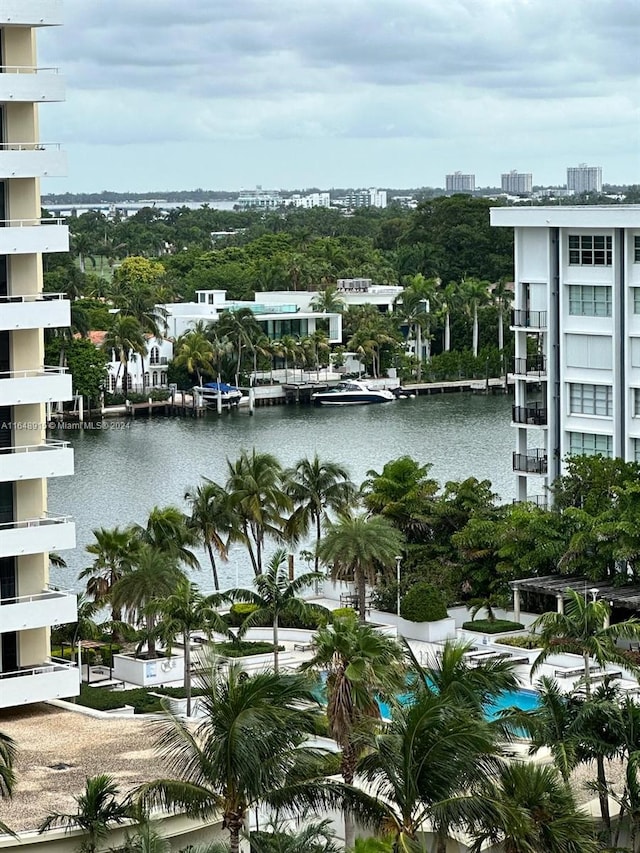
column 351, row 392
column 211, row 391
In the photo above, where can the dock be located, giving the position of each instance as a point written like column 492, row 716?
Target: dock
column 498, row 385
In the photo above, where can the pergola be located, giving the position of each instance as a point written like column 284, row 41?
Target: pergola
column 627, row 597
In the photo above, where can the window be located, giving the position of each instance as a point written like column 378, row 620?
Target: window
column 636, row 449
column 636, row 402
column 163, row 378
column 593, row 351
column 587, row 300
column 588, row 444
column 590, row 250
column 636, row 250
column 112, row 383
column 587, row 399
column 155, row 355
column 146, row 380
column 155, row 378
column 636, row 300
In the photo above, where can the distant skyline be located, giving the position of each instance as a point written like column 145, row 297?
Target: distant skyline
column 340, row 93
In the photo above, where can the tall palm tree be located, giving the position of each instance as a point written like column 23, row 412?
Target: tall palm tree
column 534, row 811
column 241, row 328
column 428, row 765
column 113, row 549
column 194, row 352
column 248, row 749
column 98, row 809
column 315, row 487
column 274, row 595
column 288, row 349
column 256, row 495
column 181, row 613
column 126, row 339
column 475, row 294
column 417, row 305
column 213, row 518
column 584, row 629
column 168, row 530
column 312, row 837
column 8, row 753
column 356, row 547
column 501, row 296
column 328, row 300
column 450, row 299
column 361, row 665
column 154, row 574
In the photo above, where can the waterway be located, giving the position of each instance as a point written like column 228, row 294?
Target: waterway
column 122, row 471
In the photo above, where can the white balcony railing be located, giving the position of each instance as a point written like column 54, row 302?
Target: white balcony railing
column 37, row 535
column 41, row 385
column 35, row 311
column 49, row 607
column 51, row 679
column 32, row 160
column 50, row 458
column 29, row 84
column 33, row 236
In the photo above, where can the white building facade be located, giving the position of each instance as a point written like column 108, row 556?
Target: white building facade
column 144, row 373
column 576, row 320
column 27, row 456
column 584, row 179
column 457, row 182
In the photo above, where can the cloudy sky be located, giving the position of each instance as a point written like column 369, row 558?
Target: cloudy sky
column 223, row 94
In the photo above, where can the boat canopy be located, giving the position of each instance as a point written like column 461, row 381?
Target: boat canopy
column 220, row 386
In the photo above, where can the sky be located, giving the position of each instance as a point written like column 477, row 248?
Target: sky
column 228, row 94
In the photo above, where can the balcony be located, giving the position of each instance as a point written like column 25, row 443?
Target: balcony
column 37, row 535
column 49, row 607
column 33, row 236
column 531, row 415
column 541, row 501
column 53, row 679
column 30, row 85
column 36, row 461
column 32, row 160
column 43, row 385
column 533, row 366
column 521, row 319
column 36, row 311
column 31, row 13
column 533, row 462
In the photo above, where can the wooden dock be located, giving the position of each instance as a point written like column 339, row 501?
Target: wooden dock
column 475, row 386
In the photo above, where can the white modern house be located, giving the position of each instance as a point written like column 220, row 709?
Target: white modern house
column 27, row 457
column 279, row 313
column 576, row 318
column 144, row 373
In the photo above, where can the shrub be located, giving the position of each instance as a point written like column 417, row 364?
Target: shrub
column 343, row 613
column 239, row 612
column 497, row 626
column 316, row 618
column 526, row 641
column 423, row 603
column 242, row 649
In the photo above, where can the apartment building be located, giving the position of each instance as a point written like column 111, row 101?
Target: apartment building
column 27, row 456
column 459, row 183
column 584, row 179
column 516, row 183
column 576, row 320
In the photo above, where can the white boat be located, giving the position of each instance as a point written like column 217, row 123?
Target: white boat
column 210, row 391
column 351, row 393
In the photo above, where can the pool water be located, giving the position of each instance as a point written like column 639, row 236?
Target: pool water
column 524, row 700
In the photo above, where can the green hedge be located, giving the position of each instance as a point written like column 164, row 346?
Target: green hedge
column 526, row 641
column 240, row 650
column 239, row 613
column 497, row 626
column 316, row 618
column 103, row 699
column 344, row 613
column 423, row 602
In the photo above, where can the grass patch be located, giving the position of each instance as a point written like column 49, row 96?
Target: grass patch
column 141, row 698
column 495, row 626
column 243, row 649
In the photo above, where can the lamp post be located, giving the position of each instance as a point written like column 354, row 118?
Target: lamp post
column 398, row 562
column 594, row 594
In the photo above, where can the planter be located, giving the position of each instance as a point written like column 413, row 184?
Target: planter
column 427, row 632
column 147, row 673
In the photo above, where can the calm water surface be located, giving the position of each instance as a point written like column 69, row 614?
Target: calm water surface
column 122, row 473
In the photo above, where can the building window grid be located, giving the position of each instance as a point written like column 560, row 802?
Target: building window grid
column 588, row 399
column 589, row 300
column 636, row 300
column 636, row 402
column 636, row 250
column 590, row 444
column 636, row 449
column 590, row 250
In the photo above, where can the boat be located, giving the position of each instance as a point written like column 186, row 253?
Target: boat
column 211, row 391
column 351, row 393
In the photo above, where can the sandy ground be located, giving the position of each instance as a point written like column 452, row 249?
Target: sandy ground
column 80, row 746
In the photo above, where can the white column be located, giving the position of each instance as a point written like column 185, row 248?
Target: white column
column 516, row 604
column 559, row 603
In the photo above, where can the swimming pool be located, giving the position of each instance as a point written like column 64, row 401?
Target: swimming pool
column 523, row 700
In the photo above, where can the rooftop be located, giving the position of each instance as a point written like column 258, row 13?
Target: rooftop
column 568, row 216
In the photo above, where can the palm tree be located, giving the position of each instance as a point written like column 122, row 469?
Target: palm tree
column 501, row 295
column 356, row 547
column 288, row 349
column 534, row 811
column 274, row 595
column 416, row 305
column 475, row 294
column 183, row 611
column 256, row 495
column 113, row 549
column 584, row 629
column 361, row 665
column 98, row 808
column 316, row 487
column 168, row 530
column 154, row 574
column 449, row 302
column 213, row 518
column 8, row 752
column 328, row 300
column 126, row 339
column 428, row 765
column 241, row 328
column 313, row 837
column 248, row 749
column 194, row 352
